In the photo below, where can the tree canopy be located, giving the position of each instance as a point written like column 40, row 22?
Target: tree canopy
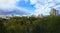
column 49, row 24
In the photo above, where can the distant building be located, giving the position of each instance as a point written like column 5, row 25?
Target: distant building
column 54, row 12
column 40, row 16
column 5, row 16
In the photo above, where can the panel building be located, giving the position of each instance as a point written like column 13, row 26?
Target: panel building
column 54, row 12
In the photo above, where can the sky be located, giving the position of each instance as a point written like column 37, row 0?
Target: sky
column 28, row 7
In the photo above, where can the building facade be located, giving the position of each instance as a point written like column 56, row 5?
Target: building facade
column 54, row 12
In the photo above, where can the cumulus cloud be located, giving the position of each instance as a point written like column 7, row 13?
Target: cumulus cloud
column 43, row 6
column 41, row 10
column 10, row 7
column 33, row 1
column 40, row 6
column 22, row 9
column 8, row 4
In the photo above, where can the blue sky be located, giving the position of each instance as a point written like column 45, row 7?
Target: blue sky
column 28, row 7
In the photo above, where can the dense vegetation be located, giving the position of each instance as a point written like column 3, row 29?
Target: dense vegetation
column 49, row 24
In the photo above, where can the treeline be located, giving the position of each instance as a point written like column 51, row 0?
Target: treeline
column 49, row 24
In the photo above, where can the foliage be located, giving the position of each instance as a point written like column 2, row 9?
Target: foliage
column 49, row 24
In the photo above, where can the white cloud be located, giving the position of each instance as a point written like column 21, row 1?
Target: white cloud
column 40, row 9
column 8, row 4
column 57, row 1
column 42, row 6
column 33, row 1
column 11, row 5
column 22, row 9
